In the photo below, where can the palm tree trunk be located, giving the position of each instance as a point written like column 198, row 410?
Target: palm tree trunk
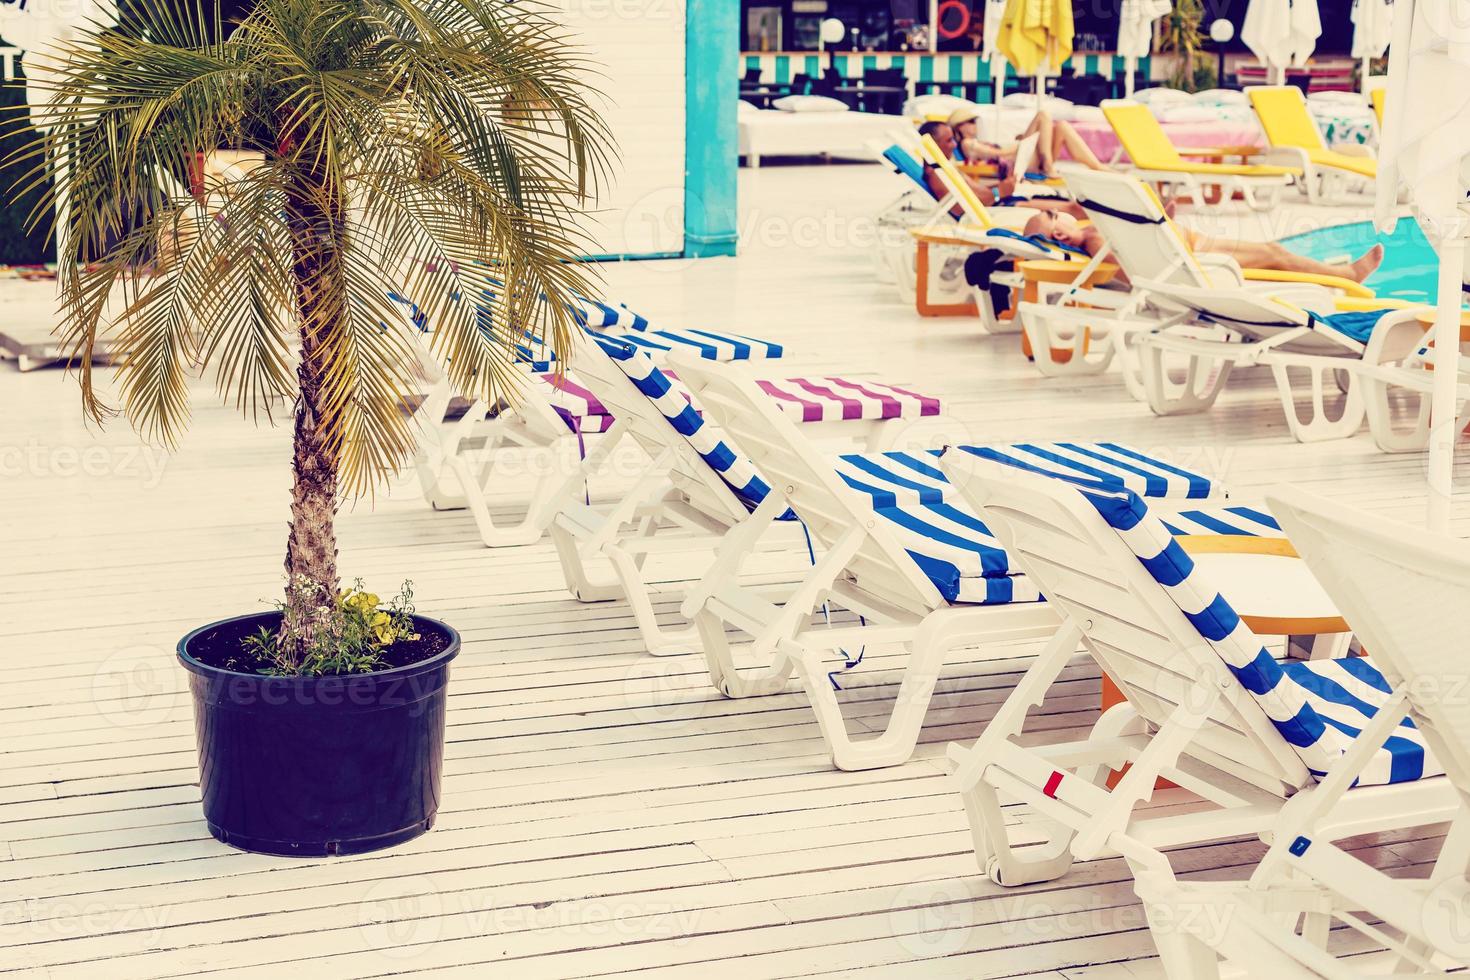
column 316, row 220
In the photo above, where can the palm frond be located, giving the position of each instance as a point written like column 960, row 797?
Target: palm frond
column 442, row 149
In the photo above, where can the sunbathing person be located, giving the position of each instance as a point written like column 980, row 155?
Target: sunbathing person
column 990, row 192
column 1250, row 255
column 1051, row 137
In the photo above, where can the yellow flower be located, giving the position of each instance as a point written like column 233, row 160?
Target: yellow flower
column 382, row 627
column 362, row 603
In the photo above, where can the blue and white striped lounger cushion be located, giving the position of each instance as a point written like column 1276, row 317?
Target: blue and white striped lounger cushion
column 708, row 344
column 635, row 329
column 535, row 354
column 892, row 478
column 736, row 469
column 1107, row 464
column 956, row 550
column 600, row 316
column 1317, row 706
column 1239, row 520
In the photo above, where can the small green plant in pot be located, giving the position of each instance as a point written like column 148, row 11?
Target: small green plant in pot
column 439, row 148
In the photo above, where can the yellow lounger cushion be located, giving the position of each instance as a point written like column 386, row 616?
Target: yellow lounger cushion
column 1347, row 286
column 1350, row 304
column 1149, row 148
column 1362, row 166
column 1284, row 117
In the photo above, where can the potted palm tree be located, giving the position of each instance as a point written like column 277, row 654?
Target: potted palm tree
column 441, row 148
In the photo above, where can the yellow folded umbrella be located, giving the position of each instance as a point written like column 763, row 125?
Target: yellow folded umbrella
column 1036, row 34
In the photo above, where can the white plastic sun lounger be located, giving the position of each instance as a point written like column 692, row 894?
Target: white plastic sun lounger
column 894, row 547
column 1086, row 328
column 914, row 208
column 548, row 425
column 1206, row 706
column 1383, row 577
column 697, row 480
column 1297, row 142
column 997, row 228
column 1333, row 350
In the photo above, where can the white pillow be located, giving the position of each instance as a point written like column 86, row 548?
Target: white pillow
column 1221, row 96
column 809, row 103
column 1161, row 96
column 747, row 106
column 1088, row 114
column 929, row 106
column 1339, row 98
column 1185, row 113
column 1027, row 100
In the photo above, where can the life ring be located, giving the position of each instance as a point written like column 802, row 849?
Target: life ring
column 964, row 27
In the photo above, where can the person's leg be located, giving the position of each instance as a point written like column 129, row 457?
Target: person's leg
column 1066, row 136
column 1042, row 128
column 1269, row 255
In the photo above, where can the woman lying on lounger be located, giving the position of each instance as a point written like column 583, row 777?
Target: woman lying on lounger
column 1250, row 255
column 991, row 192
column 1052, row 137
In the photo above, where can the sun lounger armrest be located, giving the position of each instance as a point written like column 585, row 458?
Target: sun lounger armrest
column 1215, row 263
column 1345, row 286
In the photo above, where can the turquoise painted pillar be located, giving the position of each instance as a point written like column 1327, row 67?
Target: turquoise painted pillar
column 711, row 141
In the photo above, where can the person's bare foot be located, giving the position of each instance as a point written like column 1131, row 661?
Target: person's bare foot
column 1367, row 263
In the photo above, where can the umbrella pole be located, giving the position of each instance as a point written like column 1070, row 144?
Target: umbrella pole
column 1363, row 79
column 1443, row 432
column 998, row 91
column 1129, row 66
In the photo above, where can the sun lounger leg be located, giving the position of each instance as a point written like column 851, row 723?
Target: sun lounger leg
column 439, row 442
column 1390, row 436
column 1171, row 914
column 1204, row 379
column 661, row 641
column 898, row 739
column 730, row 680
column 1061, row 354
column 1002, row 862
column 895, row 744
column 1318, row 426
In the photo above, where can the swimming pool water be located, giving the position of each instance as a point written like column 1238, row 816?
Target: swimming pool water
column 1410, row 269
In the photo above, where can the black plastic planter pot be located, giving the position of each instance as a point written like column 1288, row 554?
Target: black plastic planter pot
column 318, row 765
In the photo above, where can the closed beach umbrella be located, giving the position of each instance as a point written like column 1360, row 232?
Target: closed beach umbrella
column 994, row 13
column 1281, row 33
column 1036, row 35
column 1425, row 145
column 1136, row 33
column 1306, row 27
column 1372, row 27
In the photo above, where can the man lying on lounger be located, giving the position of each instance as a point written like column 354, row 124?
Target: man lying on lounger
column 1250, row 255
column 1052, row 137
column 991, row 192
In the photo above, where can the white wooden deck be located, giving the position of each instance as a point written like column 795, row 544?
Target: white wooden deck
column 605, row 812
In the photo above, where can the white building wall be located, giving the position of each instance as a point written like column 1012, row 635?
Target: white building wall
column 639, row 45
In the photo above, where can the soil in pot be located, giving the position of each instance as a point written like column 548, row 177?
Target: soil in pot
column 223, row 646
